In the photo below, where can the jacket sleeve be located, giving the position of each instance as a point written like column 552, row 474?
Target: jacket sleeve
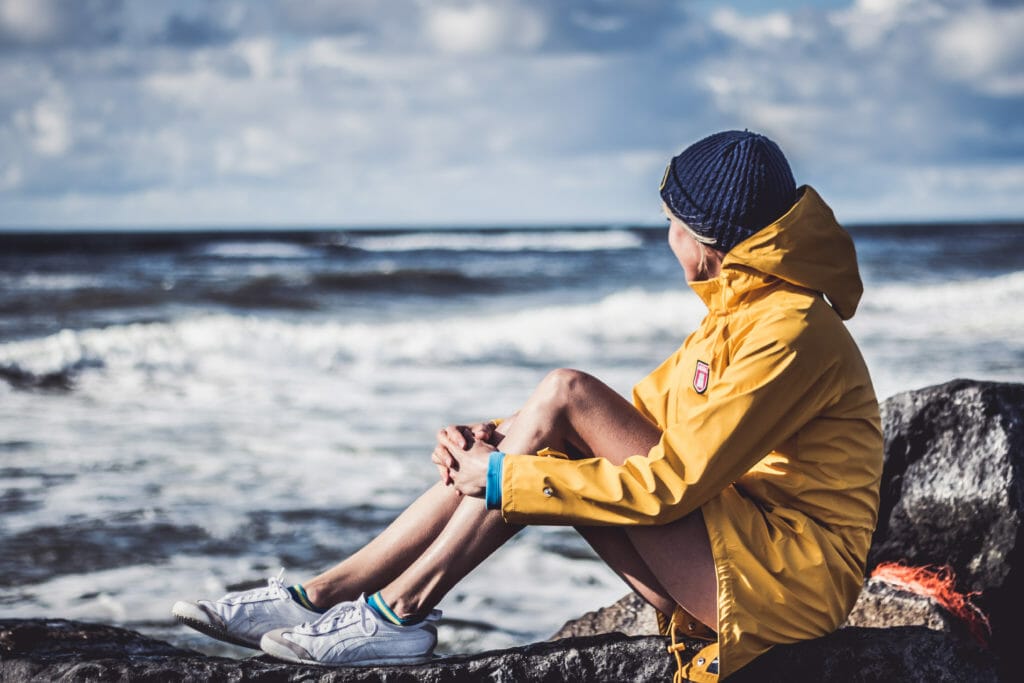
column 649, row 395
column 775, row 383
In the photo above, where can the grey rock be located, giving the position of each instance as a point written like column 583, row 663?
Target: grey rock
column 907, row 654
column 630, row 615
column 34, row 650
column 953, row 493
column 951, row 488
column 881, row 605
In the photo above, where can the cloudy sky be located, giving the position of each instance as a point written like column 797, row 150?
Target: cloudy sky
column 438, row 112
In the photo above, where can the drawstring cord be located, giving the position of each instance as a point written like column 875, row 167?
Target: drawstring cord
column 683, row 625
column 676, row 647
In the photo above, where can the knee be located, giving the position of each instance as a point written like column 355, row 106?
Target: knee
column 562, row 387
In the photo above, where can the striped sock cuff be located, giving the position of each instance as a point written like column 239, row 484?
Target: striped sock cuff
column 298, row 594
column 376, row 601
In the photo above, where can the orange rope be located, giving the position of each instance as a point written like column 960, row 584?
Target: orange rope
column 939, row 584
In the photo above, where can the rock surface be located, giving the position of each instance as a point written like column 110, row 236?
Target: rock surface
column 882, row 605
column 33, row 650
column 630, row 615
column 952, row 493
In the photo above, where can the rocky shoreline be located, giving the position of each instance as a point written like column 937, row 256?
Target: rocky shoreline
column 952, row 494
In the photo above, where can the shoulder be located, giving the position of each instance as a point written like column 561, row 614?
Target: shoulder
column 790, row 320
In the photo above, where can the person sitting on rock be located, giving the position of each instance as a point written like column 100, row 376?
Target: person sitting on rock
column 737, row 492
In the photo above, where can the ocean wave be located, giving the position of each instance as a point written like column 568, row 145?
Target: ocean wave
column 969, row 326
column 257, row 250
column 301, row 293
column 628, row 324
column 19, row 378
column 260, row 292
column 978, row 308
column 525, row 240
column 47, row 281
column 423, row 281
column 86, row 299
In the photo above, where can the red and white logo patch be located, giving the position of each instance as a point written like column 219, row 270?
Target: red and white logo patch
column 700, row 377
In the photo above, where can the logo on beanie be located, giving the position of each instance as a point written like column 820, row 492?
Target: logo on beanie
column 700, row 377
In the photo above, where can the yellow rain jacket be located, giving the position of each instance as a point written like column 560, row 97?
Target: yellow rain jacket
column 770, row 427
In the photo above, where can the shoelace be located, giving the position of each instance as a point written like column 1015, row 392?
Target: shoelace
column 340, row 614
column 275, row 588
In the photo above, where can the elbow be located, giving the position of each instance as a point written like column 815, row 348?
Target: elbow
column 656, row 508
column 656, row 499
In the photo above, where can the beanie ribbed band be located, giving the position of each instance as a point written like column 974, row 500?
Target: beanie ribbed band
column 728, row 186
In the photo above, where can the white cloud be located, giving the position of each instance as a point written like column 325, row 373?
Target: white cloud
column 984, row 48
column 480, row 27
column 938, row 192
column 755, row 30
column 259, row 54
column 868, row 24
column 30, row 21
column 598, row 23
column 10, row 178
column 257, row 152
column 48, row 125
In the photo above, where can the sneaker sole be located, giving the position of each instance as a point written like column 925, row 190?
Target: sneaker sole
column 207, row 628
column 279, row 651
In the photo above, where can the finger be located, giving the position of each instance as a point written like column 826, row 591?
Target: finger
column 455, row 437
column 444, row 440
column 442, row 459
column 446, row 458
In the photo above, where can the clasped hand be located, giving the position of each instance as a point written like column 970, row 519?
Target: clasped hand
column 461, row 456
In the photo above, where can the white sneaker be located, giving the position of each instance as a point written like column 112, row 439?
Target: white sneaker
column 243, row 617
column 353, row 634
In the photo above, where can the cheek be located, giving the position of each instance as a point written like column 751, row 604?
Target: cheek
column 677, row 239
column 680, row 242
column 686, row 251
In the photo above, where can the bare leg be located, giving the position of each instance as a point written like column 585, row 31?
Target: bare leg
column 389, row 554
column 665, row 565
column 472, row 534
column 574, row 412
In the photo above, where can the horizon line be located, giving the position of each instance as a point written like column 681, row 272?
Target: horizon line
column 439, row 227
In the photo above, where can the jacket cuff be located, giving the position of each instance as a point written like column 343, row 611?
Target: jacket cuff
column 530, row 495
column 492, row 494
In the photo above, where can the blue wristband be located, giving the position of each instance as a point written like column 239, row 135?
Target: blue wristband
column 495, row 468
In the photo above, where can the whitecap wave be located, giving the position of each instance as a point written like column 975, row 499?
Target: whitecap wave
column 630, row 324
column 526, row 240
column 257, row 250
column 911, row 334
column 970, row 310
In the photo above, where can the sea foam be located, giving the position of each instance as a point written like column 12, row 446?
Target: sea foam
column 500, row 241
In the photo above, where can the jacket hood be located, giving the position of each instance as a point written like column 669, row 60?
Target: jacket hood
column 808, row 248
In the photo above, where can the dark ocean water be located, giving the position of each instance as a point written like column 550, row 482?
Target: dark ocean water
column 187, row 412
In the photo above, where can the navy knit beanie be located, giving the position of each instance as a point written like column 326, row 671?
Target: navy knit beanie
column 728, row 186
